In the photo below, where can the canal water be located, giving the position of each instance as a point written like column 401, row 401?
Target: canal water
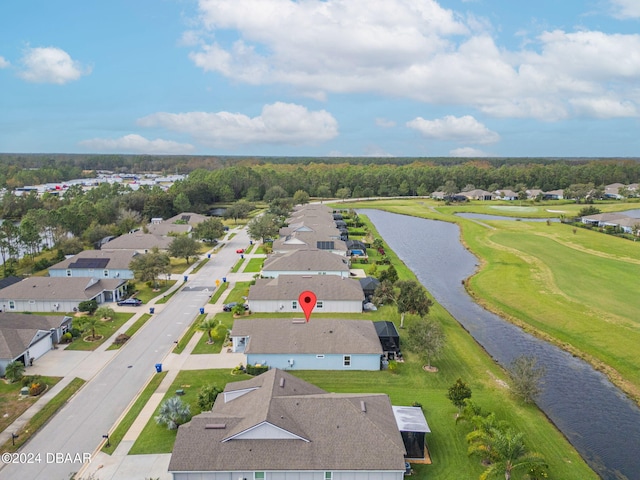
column 596, row 417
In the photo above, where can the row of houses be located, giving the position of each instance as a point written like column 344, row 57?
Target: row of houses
column 278, row 427
column 613, row 219
column 612, row 191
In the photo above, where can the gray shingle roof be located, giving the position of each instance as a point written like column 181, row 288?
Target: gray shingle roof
column 289, row 287
column 318, row 336
column 335, row 433
column 192, row 219
column 164, row 229
column 117, row 259
column 138, row 241
column 303, row 260
column 17, row 331
column 59, row 288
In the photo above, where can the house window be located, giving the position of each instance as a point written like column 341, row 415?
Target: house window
column 318, row 304
column 346, row 361
column 294, row 305
column 105, row 274
column 319, row 356
column 68, row 273
column 328, row 475
column 258, row 475
column 12, row 305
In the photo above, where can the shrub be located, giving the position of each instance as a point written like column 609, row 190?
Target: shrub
column 121, row 339
column 75, row 332
column 173, row 413
column 207, row 396
column 37, row 388
column 14, row 371
column 67, row 337
column 254, row 370
column 30, row 379
column 88, row 306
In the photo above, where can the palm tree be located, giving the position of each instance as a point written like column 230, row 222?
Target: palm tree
column 105, row 312
column 173, row 413
column 90, row 324
column 208, row 325
column 481, row 438
column 510, row 455
column 14, row 371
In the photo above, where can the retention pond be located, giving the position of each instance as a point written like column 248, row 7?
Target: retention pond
column 596, row 417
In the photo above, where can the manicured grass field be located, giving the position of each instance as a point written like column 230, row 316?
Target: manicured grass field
column 219, row 291
column 106, row 329
column 132, row 329
column 254, row 265
column 579, row 290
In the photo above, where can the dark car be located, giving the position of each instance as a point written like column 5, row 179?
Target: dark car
column 229, row 306
column 130, row 302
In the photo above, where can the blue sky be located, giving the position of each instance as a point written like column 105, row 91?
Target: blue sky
column 321, row 77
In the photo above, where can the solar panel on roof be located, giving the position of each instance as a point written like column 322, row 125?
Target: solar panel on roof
column 90, row 263
column 325, row 245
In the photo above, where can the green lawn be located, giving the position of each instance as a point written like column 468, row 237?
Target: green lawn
column 105, row 328
column 146, row 293
column 137, row 325
column 236, row 267
column 184, row 340
column 254, row 265
column 12, row 404
column 203, row 347
column 219, row 291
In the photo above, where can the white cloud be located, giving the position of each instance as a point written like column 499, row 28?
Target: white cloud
column 50, row 65
column 464, row 129
column 279, row 123
column 467, row 152
column 626, row 8
column 137, row 144
column 418, row 50
column 3, row 62
column 604, row 107
column 385, row 123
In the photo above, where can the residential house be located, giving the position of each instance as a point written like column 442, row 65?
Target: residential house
column 166, row 229
column 333, row 293
column 612, row 191
column 478, row 195
column 369, row 285
column 305, row 262
column 140, row 242
column 26, row 338
column 187, row 218
column 278, row 427
column 320, row 344
column 55, row 294
column 553, row 195
column 96, row 264
column 506, row 195
column 533, row 193
column 613, row 219
column 306, row 240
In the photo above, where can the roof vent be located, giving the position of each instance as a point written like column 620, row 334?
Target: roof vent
column 282, row 382
column 215, row 426
column 363, row 406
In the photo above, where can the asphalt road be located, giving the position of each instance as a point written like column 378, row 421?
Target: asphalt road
column 60, row 447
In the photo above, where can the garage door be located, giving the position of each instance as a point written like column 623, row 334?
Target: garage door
column 42, row 346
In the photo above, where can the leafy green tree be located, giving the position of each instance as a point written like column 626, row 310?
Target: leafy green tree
column 207, row 396
column 263, row 226
column 70, row 246
column 149, row 266
column 458, row 394
column 323, row 191
column 239, row 209
column 89, row 306
column 30, row 236
column 185, row 247
column 173, row 412
column 343, row 193
column 238, row 309
column 389, row 274
column 589, row 210
column 280, row 207
column 274, row 193
column 14, row 371
column 207, row 326
column 128, row 220
column 426, row 338
column 412, row 299
column 181, row 203
column 300, row 197
column 384, row 294
column 209, row 231
column 526, row 378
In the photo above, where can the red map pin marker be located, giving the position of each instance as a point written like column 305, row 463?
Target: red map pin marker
column 307, row 300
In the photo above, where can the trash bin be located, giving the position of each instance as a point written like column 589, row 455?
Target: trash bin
column 158, row 367
column 224, row 279
column 152, row 310
column 201, row 310
column 250, row 242
column 208, row 255
column 186, row 277
column 242, row 256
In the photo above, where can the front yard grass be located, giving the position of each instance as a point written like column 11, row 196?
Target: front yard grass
column 105, row 329
column 12, row 404
column 137, row 325
column 146, row 293
column 254, row 265
column 41, row 417
column 219, row 291
column 236, row 267
column 184, row 340
column 155, row 438
column 202, row 347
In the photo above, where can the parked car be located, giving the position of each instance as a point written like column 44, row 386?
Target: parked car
column 229, row 306
column 130, row 302
column 240, row 250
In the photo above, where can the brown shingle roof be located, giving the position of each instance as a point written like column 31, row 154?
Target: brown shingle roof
column 59, row 288
column 17, row 331
column 303, row 260
column 117, row 259
column 336, row 433
column 289, row 287
column 139, row 241
column 319, row 336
